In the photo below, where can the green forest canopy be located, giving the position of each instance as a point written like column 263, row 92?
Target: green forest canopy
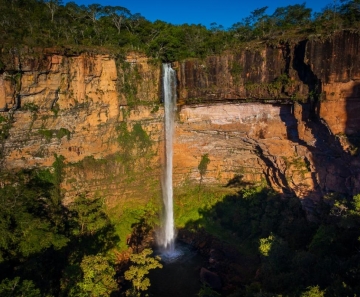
column 50, row 23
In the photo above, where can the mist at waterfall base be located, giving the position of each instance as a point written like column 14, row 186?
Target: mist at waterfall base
column 166, row 235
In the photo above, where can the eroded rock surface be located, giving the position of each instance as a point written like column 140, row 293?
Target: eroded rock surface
column 288, row 115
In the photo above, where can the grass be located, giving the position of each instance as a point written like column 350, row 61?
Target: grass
column 125, row 215
column 190, row 200
column 194, row 207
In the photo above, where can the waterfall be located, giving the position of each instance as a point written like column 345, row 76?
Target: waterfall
column 167, row 236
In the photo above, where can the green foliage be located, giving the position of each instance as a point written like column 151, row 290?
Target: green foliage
column 28, row 223
column 287, row 253
column 32, row 107
column 55, row 109
column 356, row 203
column 5, row 126
column 281, row 86
column 322, row 242
column 313, row 292
column 98, row 277
column 204, row 162
column 259, row 220
column 202, row 167
column 57, row 178
column 155, row 108
column 36, row 23
column 87, row 216
column 90, row 163
column 189, row 201
column 206, row 291
column 129, row 215
column 136, row 274
column 41, row 240
column 276, row 88
column 63, row 132
column 131, row 78
column 17, row 287
column 292, row 16
column 134, row 142
column 236, row 69
column 15, row 80
column 87, row 271
column 265, row 245
column 48, row 134
column 140, row 136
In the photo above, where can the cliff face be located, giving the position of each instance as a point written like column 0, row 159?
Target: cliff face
column 262, row 73
column 81, row 107
column 326, row 71
column 320, row 135
column 288, row 115
column 336, row 64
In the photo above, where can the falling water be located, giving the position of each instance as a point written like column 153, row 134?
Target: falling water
column 167, row 236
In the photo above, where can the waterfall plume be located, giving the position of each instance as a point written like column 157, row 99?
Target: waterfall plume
column 166, row 237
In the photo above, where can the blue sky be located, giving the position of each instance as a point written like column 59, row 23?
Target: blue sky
column 205, row 12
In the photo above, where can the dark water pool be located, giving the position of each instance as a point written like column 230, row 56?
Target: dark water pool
column 177, row 278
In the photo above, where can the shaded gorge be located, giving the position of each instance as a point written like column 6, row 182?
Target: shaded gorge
column 179, row 277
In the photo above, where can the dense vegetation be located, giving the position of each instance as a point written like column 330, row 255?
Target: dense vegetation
column 49, row 23
column 48, row 249
column 282, row 252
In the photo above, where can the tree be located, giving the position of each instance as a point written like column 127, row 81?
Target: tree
column 95, row 11
column 292, row 15
column 206, row 291
column 214, row 27
column 350, row 11
column 28, row 224
column 356, row 203
column 313, row 292
column 53, row 6
column 142, row 264
column 259, row 18
column 17, row 287
column 266, row 244
column 117, row 15
column 241, row 30
column 323, row 241
column 204, row 162
column 87, row 215
column 98, row 277
column 134, row 22
column 74, row 11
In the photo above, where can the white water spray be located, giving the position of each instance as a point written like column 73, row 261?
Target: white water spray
column 167, row 236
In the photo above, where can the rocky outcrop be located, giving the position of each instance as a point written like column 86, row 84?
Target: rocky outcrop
column 287, row 115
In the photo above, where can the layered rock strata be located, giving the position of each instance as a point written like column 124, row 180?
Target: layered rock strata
column 287, row 115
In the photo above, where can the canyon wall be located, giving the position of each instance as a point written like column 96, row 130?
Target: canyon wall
column 286, row 115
